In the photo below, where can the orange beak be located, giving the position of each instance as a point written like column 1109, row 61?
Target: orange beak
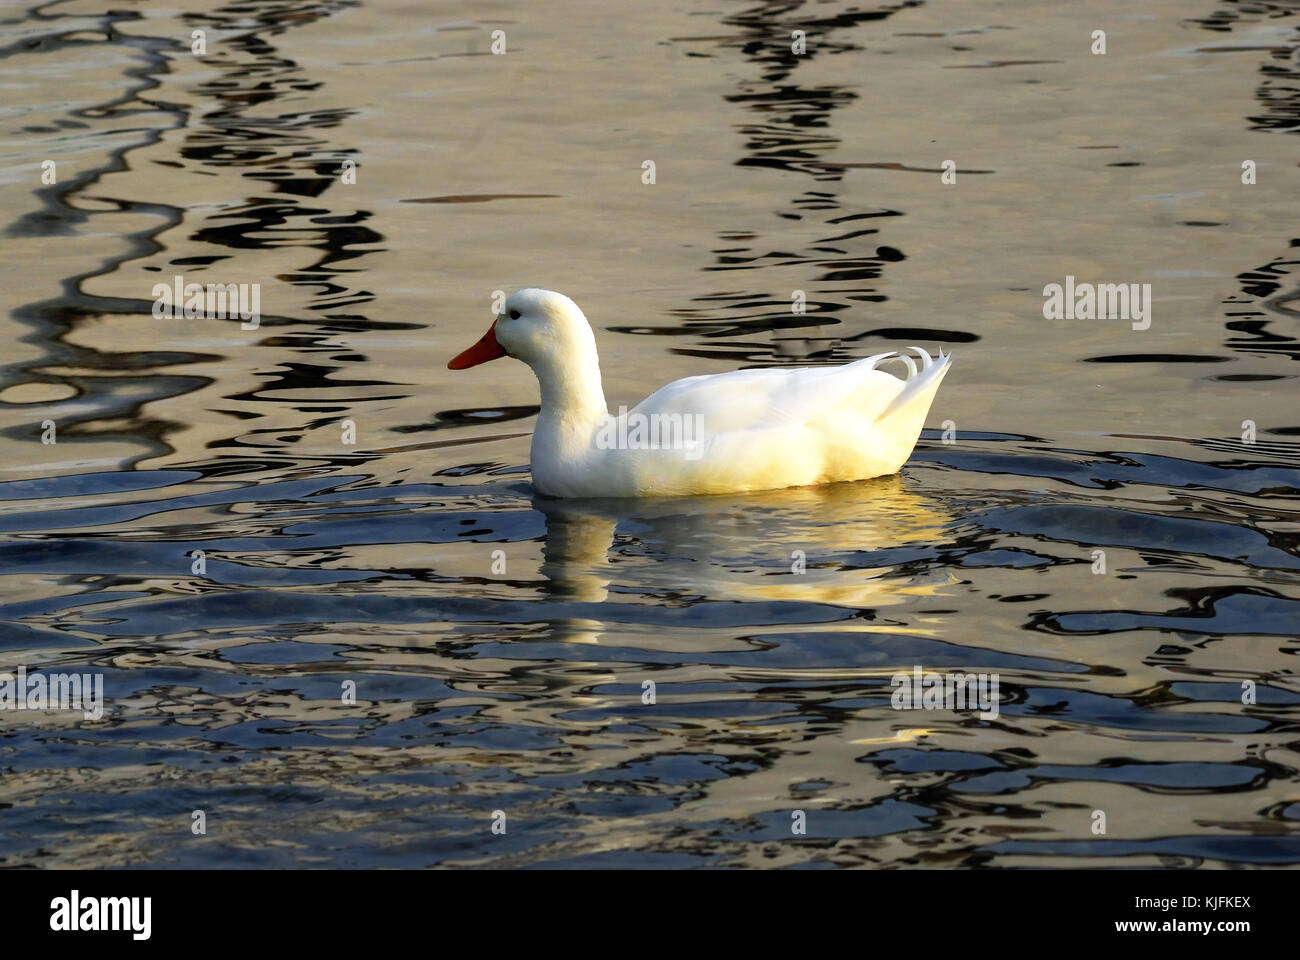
column 483, row 351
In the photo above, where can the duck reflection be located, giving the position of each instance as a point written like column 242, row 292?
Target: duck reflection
column 825, row 545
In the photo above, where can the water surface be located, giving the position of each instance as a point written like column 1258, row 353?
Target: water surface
column 499, row 644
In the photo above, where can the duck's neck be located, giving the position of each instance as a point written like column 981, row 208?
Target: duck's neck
column 573, row 403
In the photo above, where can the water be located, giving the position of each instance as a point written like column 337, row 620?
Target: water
column 500, row 645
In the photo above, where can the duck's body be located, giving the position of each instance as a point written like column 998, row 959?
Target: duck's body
column 723, row 433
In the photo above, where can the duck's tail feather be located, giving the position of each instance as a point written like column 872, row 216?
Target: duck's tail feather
column 919, row 387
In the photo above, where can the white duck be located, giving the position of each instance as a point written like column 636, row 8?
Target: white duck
column 720, row 433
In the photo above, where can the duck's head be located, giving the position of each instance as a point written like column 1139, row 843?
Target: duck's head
column 540, row 327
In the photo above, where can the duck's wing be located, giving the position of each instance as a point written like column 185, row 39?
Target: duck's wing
column 776, row 397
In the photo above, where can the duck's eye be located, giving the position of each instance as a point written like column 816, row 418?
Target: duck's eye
column 514, row 314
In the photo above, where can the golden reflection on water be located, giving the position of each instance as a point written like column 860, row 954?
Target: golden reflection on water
column 801, row 527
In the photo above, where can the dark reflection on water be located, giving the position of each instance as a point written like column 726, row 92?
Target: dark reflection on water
column 1264, row 318
column 501, row 646
column 288, row 153
column 113, row 398
column 787, row 129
